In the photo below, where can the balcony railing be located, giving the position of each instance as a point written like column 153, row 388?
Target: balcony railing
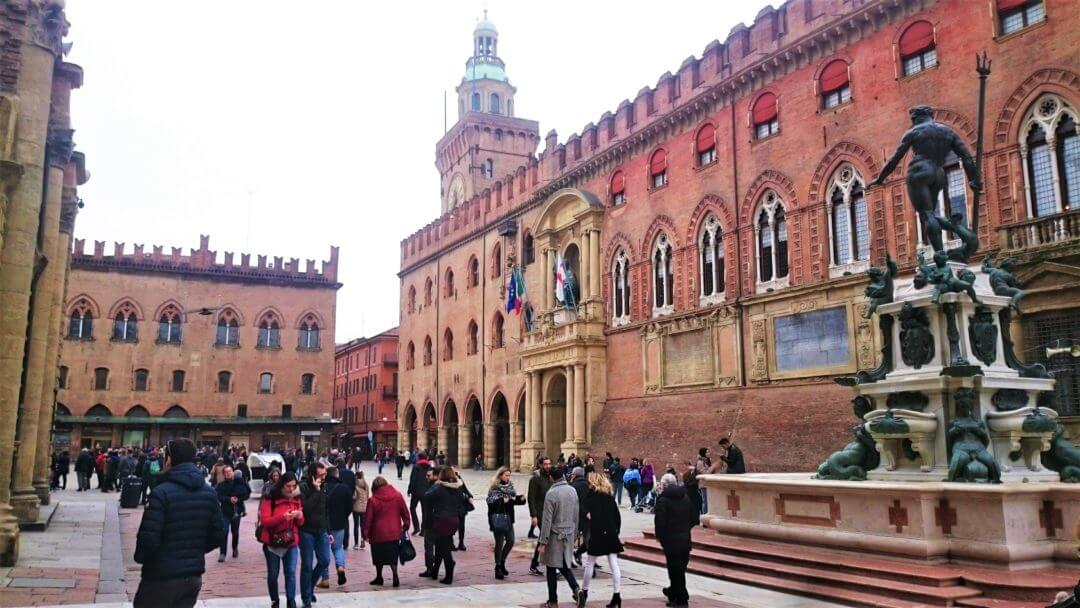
column 1041, row 232
column 389, row 392
column 391, row 360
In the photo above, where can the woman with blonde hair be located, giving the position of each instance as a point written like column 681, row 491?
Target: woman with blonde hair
column 501, row 500
column 604, row 522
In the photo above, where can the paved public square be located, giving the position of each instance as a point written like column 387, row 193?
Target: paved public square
column 85, row 557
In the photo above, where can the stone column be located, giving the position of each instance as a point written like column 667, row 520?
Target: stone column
column 491, row 450
column 38, row 398
column 545, row 271
column 517, row 438
column 421, row 438
column 528, row 404
column 586, row 265
column 579, row 405
column 442, row 440
column 536, row 433
column 594, row 264
column 38, row 54
column 568, row 437
column 464, row 442
column 402, row 437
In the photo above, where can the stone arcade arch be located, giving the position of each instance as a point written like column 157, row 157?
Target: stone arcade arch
column 449, row 438
column 409, row 424
column 499, row 454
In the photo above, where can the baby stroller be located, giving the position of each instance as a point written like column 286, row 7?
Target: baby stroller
column 647, row 504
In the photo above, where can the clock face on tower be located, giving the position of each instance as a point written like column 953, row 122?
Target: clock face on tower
column 455, row 194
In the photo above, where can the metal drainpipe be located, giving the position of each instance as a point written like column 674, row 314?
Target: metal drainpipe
column 738, row 246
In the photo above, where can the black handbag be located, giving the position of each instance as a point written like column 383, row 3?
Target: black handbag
column 500, row 522
column 406, row 551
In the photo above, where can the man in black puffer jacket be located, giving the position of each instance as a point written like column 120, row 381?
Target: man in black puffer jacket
column 181, row 524
column 673, row 518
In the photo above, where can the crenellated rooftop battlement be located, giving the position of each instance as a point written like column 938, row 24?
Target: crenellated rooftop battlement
column 204, row 261
column 779, row 40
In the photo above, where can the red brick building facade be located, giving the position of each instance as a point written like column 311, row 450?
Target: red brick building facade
column 222, row 351
column 365, row 391
column 719, row 226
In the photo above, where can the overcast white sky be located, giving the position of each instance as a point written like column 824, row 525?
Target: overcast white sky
column 283, row 127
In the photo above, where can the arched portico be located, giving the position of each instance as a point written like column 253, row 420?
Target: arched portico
column 499, row 454
column 448, row 434
column 564, row 357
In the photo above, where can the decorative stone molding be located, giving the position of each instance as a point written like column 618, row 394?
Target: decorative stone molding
column 48, row 25
column 864, row 339
column 759, row 368
column 59, row 146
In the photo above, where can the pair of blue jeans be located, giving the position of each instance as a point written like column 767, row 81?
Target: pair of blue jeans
column 314, row 559
column 273, row 569
column 616, row 487
column 338, row 547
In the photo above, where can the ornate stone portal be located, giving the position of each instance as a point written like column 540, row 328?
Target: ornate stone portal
column 564, row 356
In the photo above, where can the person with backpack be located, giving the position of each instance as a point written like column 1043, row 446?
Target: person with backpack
column 281, row 513
column 632, row 482
column 616, row 471
column 179, row 527
column 339, row 501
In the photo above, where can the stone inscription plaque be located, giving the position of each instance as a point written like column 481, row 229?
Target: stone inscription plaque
column 812, row 339
column 688, row 358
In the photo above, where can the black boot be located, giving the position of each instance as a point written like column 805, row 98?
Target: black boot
column 498, row 573
column 582, row 598
column 616, row 601
column 449, row 578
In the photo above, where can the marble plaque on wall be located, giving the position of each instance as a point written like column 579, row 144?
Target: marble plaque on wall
column 812, row 339
column 688, row 358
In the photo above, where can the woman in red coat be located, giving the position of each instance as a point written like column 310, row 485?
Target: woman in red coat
column 386, row 520
column 281, row 514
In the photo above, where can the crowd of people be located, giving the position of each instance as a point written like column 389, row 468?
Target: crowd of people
column 312, row 505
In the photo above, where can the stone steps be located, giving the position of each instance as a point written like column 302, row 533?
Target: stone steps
column 856, row 579
column 820, row 591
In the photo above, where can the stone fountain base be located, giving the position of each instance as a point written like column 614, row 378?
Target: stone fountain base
column 1009, row 525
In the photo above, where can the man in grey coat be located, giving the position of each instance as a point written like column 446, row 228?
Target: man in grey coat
column 558, row 531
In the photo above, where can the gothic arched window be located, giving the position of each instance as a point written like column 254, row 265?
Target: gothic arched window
column 476, row 102
column 496, row 261
column 125, row 326
column 309, row 333
column 620, row 289
column 1050, row 148
column 496, row 107
column 448, row 345
column 772, row 241
column 497, row 331
column 711, row 248
column 448, row 283
column 848, row 220
column 81, row 323
column 429, row 290
column 663, row 273
column 410, row 356
column 474, row 272
column 427, row 350
column 169, row 326
column 228, row 329
column 269, row 332
column 528, row 254
column 474, row 338
column 412, row 299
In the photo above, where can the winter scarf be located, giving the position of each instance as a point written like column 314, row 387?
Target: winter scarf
column 500, row 491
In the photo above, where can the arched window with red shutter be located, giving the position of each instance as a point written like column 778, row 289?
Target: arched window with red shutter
column 835, row 83
column 618, row 188
column 1015, row 15
column 918, row 48
column 705, row 145
column 658, row 168
column 765, row 116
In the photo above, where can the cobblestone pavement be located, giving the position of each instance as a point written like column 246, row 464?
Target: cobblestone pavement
column 94, row 543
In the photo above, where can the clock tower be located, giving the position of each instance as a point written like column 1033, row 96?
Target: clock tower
column 487, row 142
